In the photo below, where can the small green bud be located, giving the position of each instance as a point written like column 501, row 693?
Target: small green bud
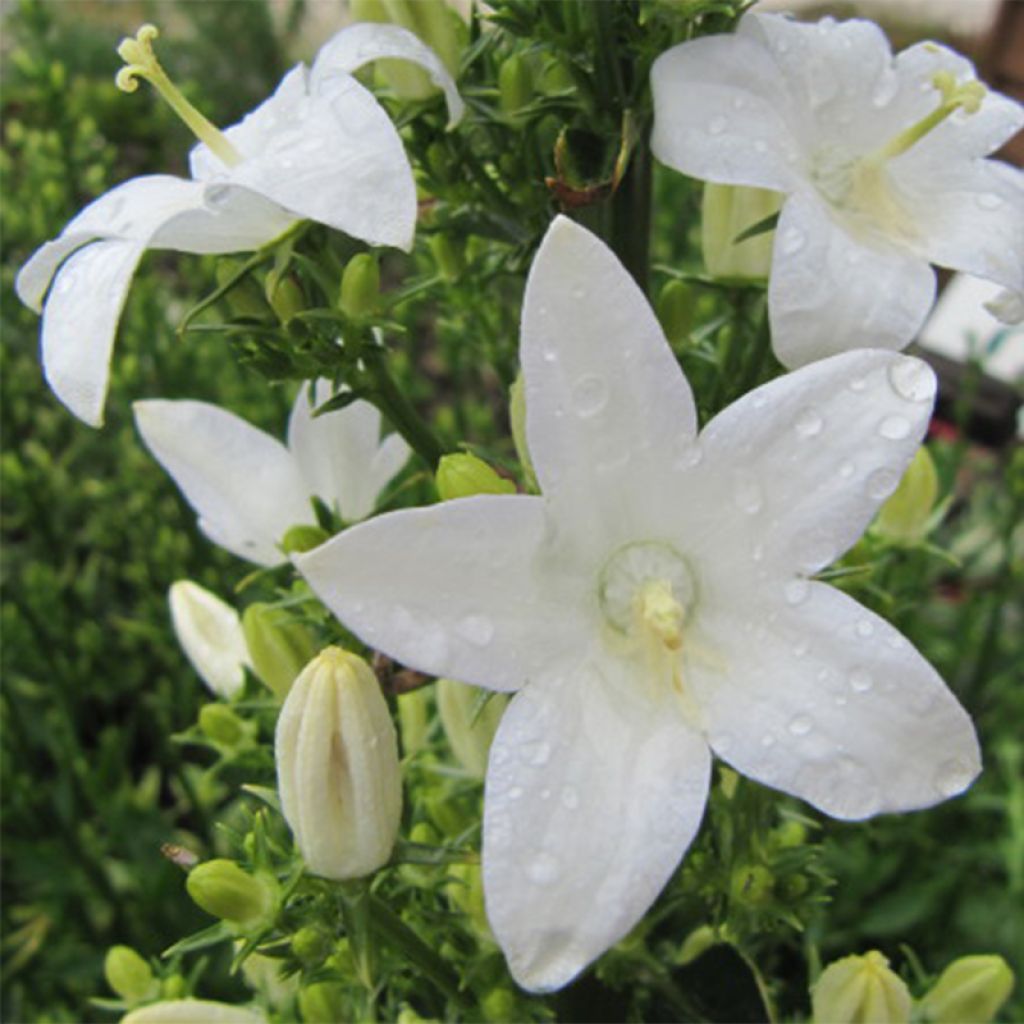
column 174, row 987
column 462, row 475
column 499, row 1005
column 728, row 211
column 971, row 989
column 413, row 719
column 469, row 727
column 299, row 539
column 903, row 519
column 279, row 647
column 515, row 84
column 311, row 945
column 220, row 724
column 517, row 420
column 698, row 942
column 675, row 311
column 244, row 298
column 448, row 256
column 285, row 296
column 860, row 990
column 465, row 892
column 224, row 890
column 789, row 834
column 751, row 885
column 128, row 974
column 323, row 1001
column 360, row 286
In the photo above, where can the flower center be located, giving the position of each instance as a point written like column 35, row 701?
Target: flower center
column 140, row 62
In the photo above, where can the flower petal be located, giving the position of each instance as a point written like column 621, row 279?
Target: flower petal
column 825, row 700
column 592, row 798
column 462, row 589
column 830, row 292
column 360, row 44
column 605, row 398
column 793, row 472
column 245, row 486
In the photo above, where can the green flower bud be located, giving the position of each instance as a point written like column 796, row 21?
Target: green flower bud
column 728, row 211
column 515, row 84
column 499, row 1005
column 224, row 890
column 675, row 309
column 323, row 1001
column 360, row 285
column 337, row 767
column 193, row 1011
column 789, row 834
column 969, row 991
column 469, row 727
column 220, row 724
column 311, row 945
column 462, row 475
column 173, row 988
column 448, row 257
column 413, row 720
column 751, row 885
column 860, row 990
column 517, row 419
column 301, row 538
column 244, row 298
column 465, row 892
column 903, row 519
column 285, row 296
column 128, row 974
column 278, row 646
column 698, row 942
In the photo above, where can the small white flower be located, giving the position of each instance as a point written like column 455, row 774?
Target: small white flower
column 320, row 148
column 210, row 633
column 656, row 605
column 881, row 160
column 248, row 488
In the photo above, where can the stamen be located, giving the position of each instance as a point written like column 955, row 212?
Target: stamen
column 659, row 613
column 140, row 62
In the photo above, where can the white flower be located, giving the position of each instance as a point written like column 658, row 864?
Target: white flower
column 210, row 634
column 193, row 1011
column 655, row 606
column 248, row 488
column 321, row 148
column 881, row 160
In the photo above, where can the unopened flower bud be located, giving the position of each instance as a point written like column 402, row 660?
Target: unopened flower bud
column 465, row 892
column 285, row 296
column 860, row 990
column 311, row 945
column 413, row 723
column 462, row 475
column 360, row 285
column 128, row 974
column 728, row 211
column 517, row 420
column 751, row 885
column 225, row 890
column 515, row 84
column 337, row 767
column 301, row 538
column 698, row 942
column 971, row 990
column 903, row 519
column 279, row 647
column 448, row 256
column 244, row 298
column 210, row 634
column 220, row 724
column 323, row 1001
column 675, row 311
column 470, row 727
column 193, row 1011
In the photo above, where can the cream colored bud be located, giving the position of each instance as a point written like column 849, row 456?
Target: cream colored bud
column 469, row 727
column 728, row 211
column 193, row 1011
column 904, row 518
column 969, row 991
column 337, row 767
column 860, row 990
column 210, row 634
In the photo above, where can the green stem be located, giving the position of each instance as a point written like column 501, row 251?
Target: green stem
column 631, row 214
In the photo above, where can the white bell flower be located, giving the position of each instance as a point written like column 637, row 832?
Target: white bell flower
column 320, row 148
column 880, row 159
column 248, row 488
column 655, row 606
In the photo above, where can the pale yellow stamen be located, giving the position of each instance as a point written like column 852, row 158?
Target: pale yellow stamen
column 140, row 62
column 659, row 614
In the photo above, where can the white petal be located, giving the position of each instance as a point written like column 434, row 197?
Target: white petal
column 722, row 113
column 463, row 589
column 830, row 292
column 340, row 452
column 193, row 1011
column 358, row 45
column 607, row 406
column 592, row 798
column 825, row 700
column 244, row 485
column 794, row 471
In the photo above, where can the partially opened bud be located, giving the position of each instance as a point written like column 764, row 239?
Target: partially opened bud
column 727, row 212
column 904, row 517
column 462, row 475
column 227, row 891
column 128, row 974
column 278, row 646
column 470, row 727
column 210, row 634
column 337, row 767
column 193, row 1011
column 860, row 990
column 969, row 991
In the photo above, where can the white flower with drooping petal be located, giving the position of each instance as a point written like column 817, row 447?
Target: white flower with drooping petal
column 880, row 158
column 657, row 605
column 320, row 148
column 249, row 489
column 210, row 633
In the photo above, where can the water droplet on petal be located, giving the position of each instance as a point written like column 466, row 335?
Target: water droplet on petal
column 800, row 648
column 801, row 725
column 865, row 628
column 515, row 792
column 846, row 470
column 858, row 383
column 477, row 630
column 543, row 869
column 894, row 428
column 767, row 740
column 691, row 454
column 953, row 776
column 535, row 753
column 549, row 355
column 792, row 241
column 570, row 798
column 861, row 681
column 912, row 379
column 797, row 591
column 589, row 396
column 717, row 125
column 738, row 102
column 989, row 201
column 809, row 423
column 882, row 483
column 747, row 495
column 721, row 742
column 760, row 146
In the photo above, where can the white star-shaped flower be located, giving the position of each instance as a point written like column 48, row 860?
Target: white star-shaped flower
column 249, row 489
column 655, row 606
column 321, row 148
column 880, row 159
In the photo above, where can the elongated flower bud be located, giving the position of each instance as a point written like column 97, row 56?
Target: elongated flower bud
column 210, row 634
column 278, row 646
column 728, row 211
column 128, row 974
column 860, row 990
column 229, row 892
column 337, row 767
column 904, row 518
column 193, row 1011
column 469, row 727
column 462, row 475
column 360, row 285
column 969, row 989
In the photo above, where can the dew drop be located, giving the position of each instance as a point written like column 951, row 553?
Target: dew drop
column 759, row 400
column 589, row 396
column 989, row 201
column 797, row 591
column 721, row 742
column 882, row 483
column 545, row 794
column 738, row 102
column 477, row 629
column 760, row 146
column 912, row 379
column 861, row 681
column 690, row 455
column 809, row 423
column 792, row 241
column 515, row 792
column 894, row 428
column 846, row 470
column 767, row 740
column 953, row 776
column 858, row 384
column 570, row 798
column 800, row 648
column 717, row 125
column 535, row 753
column 549, row 355
column 864, row 628
column 748, row 496
column 816, row 549
column 801, row 725
column 544, row 869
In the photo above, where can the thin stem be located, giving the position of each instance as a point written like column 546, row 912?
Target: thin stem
column 631, row 214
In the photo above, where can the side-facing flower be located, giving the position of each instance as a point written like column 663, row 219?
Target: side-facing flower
column 655, row 605
column 248, row 488
column 881, row 159
column 320, row 148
